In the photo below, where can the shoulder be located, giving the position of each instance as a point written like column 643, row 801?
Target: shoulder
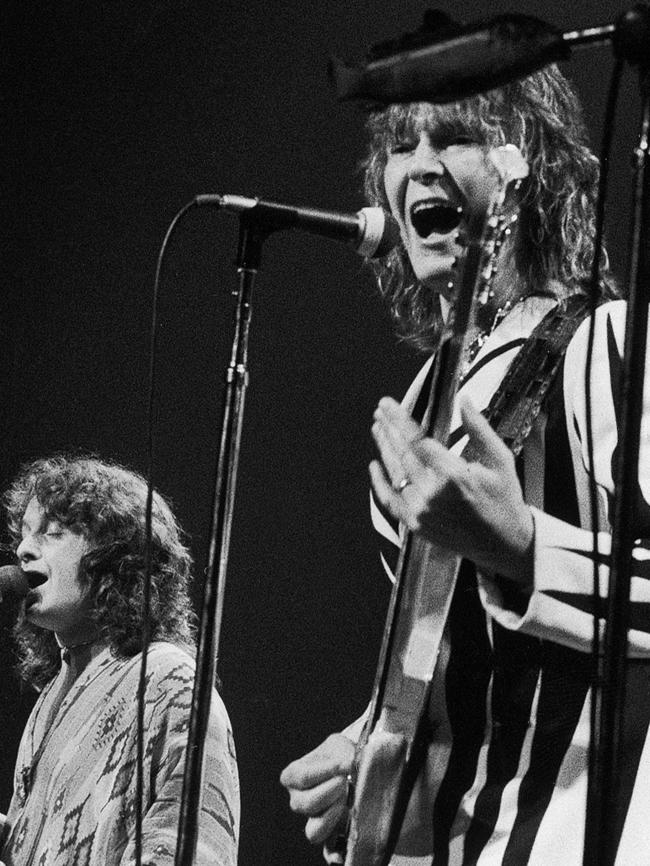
column 604, row 359
column 163, row 657
column 171, row 671
column 608, row 342
column 170, row 668
column 609, row 325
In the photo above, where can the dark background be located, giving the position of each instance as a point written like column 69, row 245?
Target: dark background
column 117, row 114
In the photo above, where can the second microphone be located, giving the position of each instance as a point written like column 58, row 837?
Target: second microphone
column 371, row 231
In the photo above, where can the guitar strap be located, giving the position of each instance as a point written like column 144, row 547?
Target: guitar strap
column 519, row 398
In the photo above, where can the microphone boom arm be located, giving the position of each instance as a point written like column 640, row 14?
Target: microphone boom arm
column 451, row 61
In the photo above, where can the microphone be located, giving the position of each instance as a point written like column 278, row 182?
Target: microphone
column 371, row 231
column 445, row 61
column 13, row 582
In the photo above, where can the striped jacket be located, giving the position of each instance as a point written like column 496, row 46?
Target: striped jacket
column 507, row 771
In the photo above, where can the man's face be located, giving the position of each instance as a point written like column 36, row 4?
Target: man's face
column 429, row 176
column 50, row 555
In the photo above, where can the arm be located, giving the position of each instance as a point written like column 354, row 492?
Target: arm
column 477, row 508
column 219, row 814
column 560, row 606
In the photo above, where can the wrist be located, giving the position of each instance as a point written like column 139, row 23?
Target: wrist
column 514, row 561
column 523, row 573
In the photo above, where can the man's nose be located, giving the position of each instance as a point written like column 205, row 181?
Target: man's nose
column 28, row 549
column 425, row 165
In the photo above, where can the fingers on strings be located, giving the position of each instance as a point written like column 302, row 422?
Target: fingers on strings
column 410, row 465
column 486, row 446
column 397, row 438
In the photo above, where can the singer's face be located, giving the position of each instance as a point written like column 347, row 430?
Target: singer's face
column 50, row 555
column 428, row 178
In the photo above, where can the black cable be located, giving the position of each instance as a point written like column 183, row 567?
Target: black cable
column 593, row 785
column 146, row 590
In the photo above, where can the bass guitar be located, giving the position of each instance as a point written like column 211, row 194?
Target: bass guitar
column 393, row 743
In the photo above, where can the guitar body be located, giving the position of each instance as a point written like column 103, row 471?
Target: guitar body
column 394, row 751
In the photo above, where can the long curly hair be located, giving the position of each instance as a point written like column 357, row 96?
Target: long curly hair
column 106, row 503
column 542, row 116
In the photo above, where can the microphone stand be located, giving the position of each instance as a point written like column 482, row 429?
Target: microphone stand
column 251, row 238
column 632, row 43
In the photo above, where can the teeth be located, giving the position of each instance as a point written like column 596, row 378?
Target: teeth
column 425, row 205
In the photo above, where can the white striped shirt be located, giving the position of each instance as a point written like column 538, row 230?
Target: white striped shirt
column 507, row 772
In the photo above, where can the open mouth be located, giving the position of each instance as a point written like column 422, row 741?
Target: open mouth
column 435, row 217
column 35, row 578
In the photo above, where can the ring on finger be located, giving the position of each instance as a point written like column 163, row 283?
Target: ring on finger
column 349, row 793
column 403, row 484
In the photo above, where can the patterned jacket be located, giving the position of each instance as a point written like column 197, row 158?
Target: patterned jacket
column 74, row 794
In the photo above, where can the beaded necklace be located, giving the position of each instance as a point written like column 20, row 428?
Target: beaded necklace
column 484, row 334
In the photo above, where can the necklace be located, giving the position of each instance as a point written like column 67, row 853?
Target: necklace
column 483, row 335
column 477, row 343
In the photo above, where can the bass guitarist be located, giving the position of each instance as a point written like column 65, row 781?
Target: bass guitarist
column 505, row 777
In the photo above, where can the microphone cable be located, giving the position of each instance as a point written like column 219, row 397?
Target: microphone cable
column 148, row 542
column 388, row 236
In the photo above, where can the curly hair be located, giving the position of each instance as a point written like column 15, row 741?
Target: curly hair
column 106, row 503
column 542, row 116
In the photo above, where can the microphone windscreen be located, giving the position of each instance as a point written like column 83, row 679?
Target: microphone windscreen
column 13, row 581
column 380, row 232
